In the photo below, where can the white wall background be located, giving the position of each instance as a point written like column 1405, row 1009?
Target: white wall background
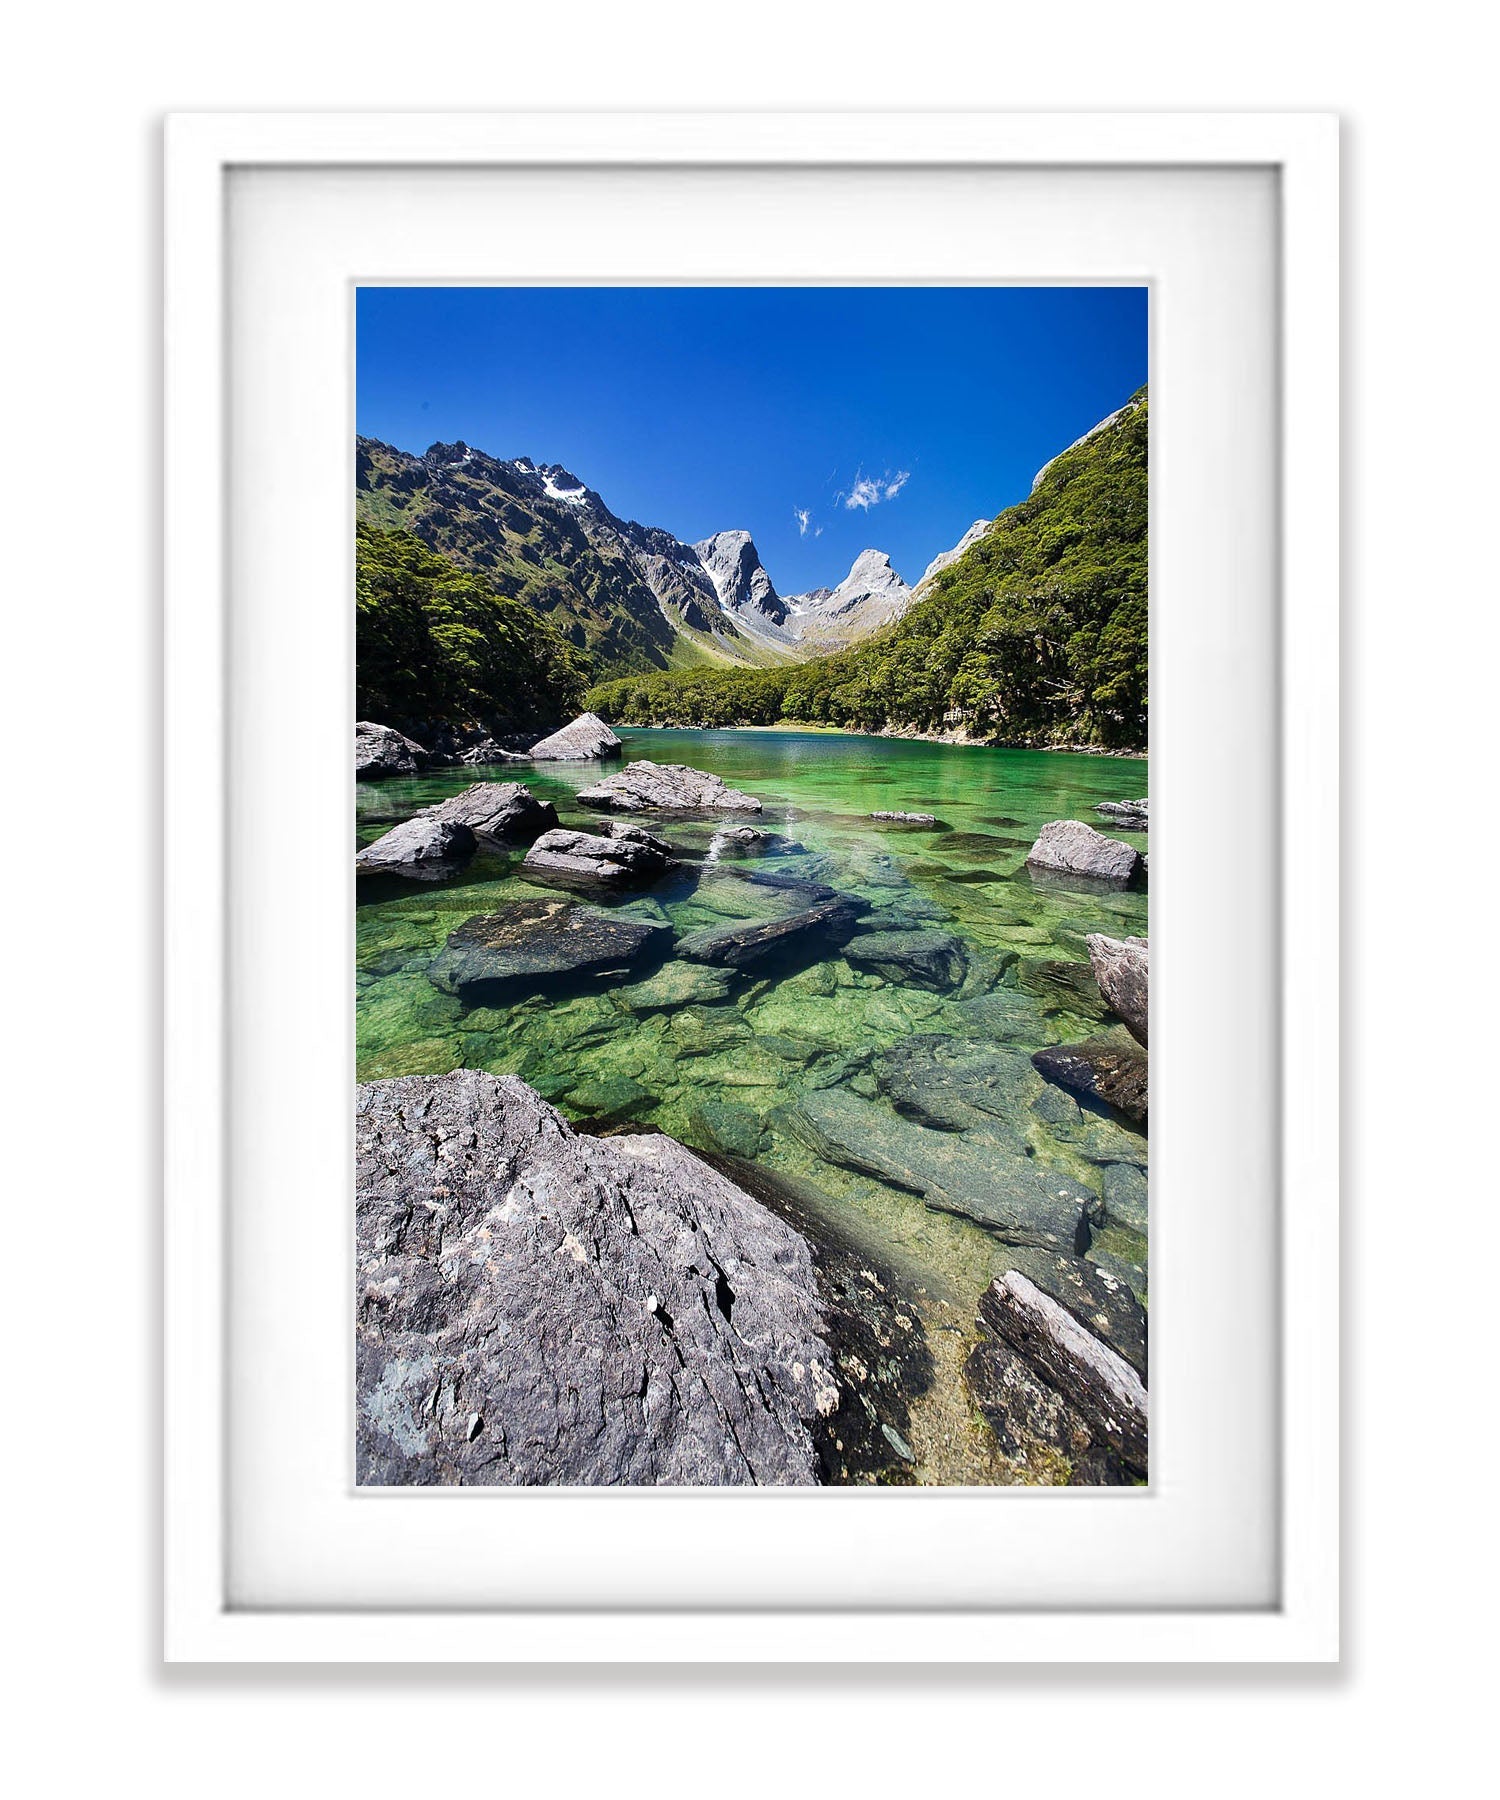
column 80, row 447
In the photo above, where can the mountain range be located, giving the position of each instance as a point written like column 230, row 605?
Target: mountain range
column 1031, row 631
column 632, row 597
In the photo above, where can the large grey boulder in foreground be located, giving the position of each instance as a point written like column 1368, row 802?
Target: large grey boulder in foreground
column 380, row 750
column 417, row 846
column 1122, row 968
column 532, row 946
column 1069, row 847
column 536, row 1307
column 507, row 810
column 666, row 787
column 1044, row 1380
column 585, row 740
column 628, row 854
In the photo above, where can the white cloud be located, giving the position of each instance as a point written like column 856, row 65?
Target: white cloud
column 871, row 490
column 803, row 516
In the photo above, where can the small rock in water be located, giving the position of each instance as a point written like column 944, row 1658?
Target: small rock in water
column 585, row 740
column 728, row 1128
column 952, row 1171
column 506, row 810
column 1122, row 968
column 608, row 1098
column 534, row 945
column 1126, row 1196
column 627, row 854
column 1100, row 1301
column 906, row 818
column 934, row 960
column 1113, row 1070
column 1132, row 814
column 806, row 933
column 420, row 847
column 678, row 984
column 381, row 750
column 646, row 786
column 1071, row 1391
column 1069, row 847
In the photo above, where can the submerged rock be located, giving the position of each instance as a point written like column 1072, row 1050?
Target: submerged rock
column 805, row 934
column 1067, row 987
column 586, row 739
column 906, row 818
column 677, row 984
column 380, row 750
column 1044, row 1380
column 627, row 854
column 1111, row 1069
column 958, row 1084
column 507, row 810
column 727, row 1127
column 982, row 1181
column 935, row 960
column 420, row 846
column 487, row 751
column 1132, row 814
column 537, row 944
column 1126, row 1196
column 1121, row 967
column 603, row 1099
column 1069, row 847
column 1002, row 1016
column 537, row 1307
column 665, row 787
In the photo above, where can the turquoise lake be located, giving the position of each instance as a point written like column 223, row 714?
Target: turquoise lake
column 732, row 1072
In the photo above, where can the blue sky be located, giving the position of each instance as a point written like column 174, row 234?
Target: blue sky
column 822, row 420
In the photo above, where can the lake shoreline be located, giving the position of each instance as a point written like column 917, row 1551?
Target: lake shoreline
column 951, row 740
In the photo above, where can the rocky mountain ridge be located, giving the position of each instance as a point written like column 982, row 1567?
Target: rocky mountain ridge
column 633, row 596
column 872, row 594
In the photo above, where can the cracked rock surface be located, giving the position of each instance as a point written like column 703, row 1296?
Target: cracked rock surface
column 535, row 1306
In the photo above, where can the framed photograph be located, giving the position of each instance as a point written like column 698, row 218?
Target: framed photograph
column 672, row 1182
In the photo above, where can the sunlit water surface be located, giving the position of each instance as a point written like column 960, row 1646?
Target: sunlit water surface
column 724, row 1076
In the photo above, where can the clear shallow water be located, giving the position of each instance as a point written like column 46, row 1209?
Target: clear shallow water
column 727, row 1074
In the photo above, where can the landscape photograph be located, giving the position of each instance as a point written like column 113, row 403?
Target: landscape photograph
column 751, row 812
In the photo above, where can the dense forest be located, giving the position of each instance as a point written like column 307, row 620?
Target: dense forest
column 1036, row 635
column 433, row 642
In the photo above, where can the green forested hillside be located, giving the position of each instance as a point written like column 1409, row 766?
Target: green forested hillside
column 435, row 642
column 1036, row 635
column 608, row 586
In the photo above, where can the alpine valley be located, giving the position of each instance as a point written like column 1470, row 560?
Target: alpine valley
column 751, row 1011
column 1031, row 630
column 632, row 597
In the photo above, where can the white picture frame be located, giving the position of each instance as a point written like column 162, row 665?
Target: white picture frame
column 203, row 1619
